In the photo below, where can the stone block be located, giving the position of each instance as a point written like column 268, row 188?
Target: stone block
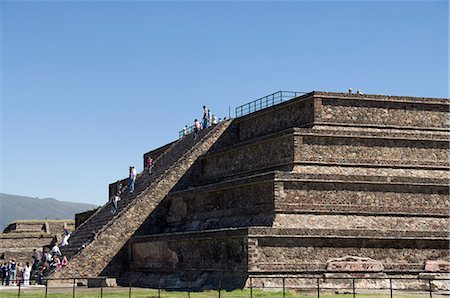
column 101, row 282
column 354, row 264
column 437, row 266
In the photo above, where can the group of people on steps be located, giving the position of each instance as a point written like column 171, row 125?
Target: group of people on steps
column 208, row 120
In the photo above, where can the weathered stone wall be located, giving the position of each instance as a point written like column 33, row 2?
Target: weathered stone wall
column 83, row 216
column 22, row 241
column 360, row 221
column 20, row 247
column 38, row 226
column 284, row 149
column 222, row 250
column 369, row 111
column 362, row 197
column 271, row 152
column 375, row 150
column 297, row 113
column 308, row 255
column 224, row 206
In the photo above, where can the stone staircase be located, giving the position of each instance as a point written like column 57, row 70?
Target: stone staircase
column 87, row 231
column 104, row 229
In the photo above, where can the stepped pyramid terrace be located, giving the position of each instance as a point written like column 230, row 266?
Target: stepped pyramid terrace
column 20, row 237
column 322, row 185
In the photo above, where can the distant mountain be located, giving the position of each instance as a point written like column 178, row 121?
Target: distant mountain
column 14, row 207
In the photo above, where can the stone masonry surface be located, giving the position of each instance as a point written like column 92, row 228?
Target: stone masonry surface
column 326, row 176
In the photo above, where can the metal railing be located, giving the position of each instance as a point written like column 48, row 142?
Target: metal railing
column 253, row 106
column 185, row 131
column 255, row 286
column 265, row 102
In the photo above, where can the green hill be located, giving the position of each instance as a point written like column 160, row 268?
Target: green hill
column 14, row 207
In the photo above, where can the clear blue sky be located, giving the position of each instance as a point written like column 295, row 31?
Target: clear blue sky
column 88, row 87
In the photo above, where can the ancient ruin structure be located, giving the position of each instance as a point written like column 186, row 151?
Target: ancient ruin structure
column 325, row 184
column 22, row 236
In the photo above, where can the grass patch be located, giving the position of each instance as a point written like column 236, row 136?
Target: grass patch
column 150, row 293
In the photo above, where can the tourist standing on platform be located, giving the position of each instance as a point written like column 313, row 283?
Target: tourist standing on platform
column 149, row 165
column 185, row 130
column 13, row 271
column 19, row 273
column 205, row 117
column 3, row 273
column 26, row 274
column 196, row 128
column 8, row 273
column 132, row 179
column 209, row 118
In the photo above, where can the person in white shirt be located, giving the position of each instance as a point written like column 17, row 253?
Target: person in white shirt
column 132, row 179
column 26, row 274
column 55, row 250
column 114, row 201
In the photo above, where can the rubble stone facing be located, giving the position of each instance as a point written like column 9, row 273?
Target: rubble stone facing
column 364, row 197
column 352, row 111
column 360, row 221
column 318, row 148
column 277, row 118
column 261, row 155
column 95, row 257
column 220, row 251
column 200, row 209
column 412, row 258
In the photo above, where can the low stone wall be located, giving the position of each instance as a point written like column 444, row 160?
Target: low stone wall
column 83, row 216
column 313, row 255
column 295, row 113
column 367, row 149
column 155, row 153
column 361, row 221
column 359, row 197
column 20, row 247
column 245, row 203
column 411, row 112
column 210, row 251
column 112, row 187
column 269, row 152
column 56, row 226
